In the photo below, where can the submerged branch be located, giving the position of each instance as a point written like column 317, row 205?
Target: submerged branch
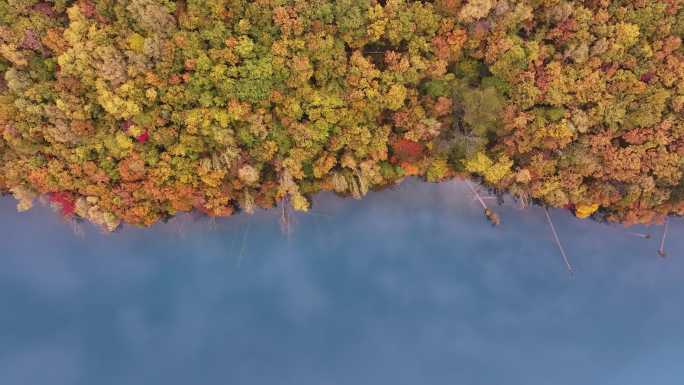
column 661, row 249
column 639, row 235
column 558, row 242
column 489, row 213
column 477, row 195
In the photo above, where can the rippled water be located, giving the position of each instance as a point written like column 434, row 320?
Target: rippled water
column 409, row 286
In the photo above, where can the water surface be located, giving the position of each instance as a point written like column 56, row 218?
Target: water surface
column 409, row 286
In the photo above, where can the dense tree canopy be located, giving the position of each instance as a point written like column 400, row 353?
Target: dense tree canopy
column 135, row 110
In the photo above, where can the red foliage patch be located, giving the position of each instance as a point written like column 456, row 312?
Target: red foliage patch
column 442, row 107
column 441, row 47
column 542, row 78
column 142, row 138
column 31, row 41
column 175, row 79
column 638, row 136
column 45, row 8
column 87, row 8
column 609, row 69
column 407, row 151
column 647, row 77
column 563, row 31
column 126, row 124
column 65, row 201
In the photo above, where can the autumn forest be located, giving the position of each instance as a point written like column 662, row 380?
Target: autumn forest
column 131, row 111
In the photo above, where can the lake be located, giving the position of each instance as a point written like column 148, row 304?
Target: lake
column 407, row 286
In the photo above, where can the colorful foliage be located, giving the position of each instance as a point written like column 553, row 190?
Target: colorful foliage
column 135, row 110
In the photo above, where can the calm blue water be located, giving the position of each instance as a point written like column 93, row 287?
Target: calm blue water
column 409, row 286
